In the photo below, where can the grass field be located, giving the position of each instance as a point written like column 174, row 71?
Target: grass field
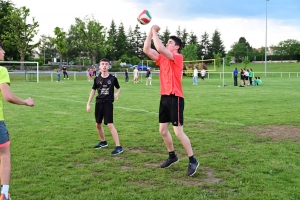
column 246, row 139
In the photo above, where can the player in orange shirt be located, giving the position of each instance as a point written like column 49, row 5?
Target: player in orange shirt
column 172, row 100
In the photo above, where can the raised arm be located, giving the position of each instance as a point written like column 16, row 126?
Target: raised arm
column 159, row 45
column 147, row 47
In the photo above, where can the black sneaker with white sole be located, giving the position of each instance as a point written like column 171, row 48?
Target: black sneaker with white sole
column 101, row 145
column 117, row 150
column 192, row 168
column 169, row 162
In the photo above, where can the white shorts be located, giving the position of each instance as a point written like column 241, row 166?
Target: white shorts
column 135, row 77
column 149, row 78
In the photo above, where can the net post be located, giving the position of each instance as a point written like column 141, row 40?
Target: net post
column 223, row 72
column 37, row 73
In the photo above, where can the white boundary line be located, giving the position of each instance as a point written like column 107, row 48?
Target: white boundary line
column 141, row 110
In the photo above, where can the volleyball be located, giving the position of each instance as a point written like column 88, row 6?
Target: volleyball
column 144, row 17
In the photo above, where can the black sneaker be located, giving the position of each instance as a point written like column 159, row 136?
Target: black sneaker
column 169, row 162
column 117, row 150
column 101, row 145
column 192, row 168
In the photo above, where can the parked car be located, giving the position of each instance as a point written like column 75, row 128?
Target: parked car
column 143, row 68
column 140, row 67
column 123, row 64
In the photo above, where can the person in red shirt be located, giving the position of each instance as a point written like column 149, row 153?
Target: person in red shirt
column 171, row 105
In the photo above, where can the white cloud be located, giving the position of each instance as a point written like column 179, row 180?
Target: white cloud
column 60, row 13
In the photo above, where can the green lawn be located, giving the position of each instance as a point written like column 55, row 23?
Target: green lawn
column 260, row 67
column 246, row 139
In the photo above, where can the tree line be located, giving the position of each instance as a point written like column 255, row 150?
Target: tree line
column 89, row 39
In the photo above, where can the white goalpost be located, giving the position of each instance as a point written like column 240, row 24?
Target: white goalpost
column 29, row 74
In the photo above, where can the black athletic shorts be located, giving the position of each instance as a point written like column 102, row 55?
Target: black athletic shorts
column 104, row 110
column 171, row 110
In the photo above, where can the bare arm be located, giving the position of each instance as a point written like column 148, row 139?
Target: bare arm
column 88, row 106
column 11, row 98
column 117, row 93
column 147, row 47
column 159, row 45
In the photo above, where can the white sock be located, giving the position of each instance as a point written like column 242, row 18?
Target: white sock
column 4, row 190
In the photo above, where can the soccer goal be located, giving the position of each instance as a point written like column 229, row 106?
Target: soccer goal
column 31, row 72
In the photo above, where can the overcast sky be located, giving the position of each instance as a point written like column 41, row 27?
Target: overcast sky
column 232, row 18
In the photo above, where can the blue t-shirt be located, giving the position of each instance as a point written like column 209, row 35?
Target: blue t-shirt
column 235, row 72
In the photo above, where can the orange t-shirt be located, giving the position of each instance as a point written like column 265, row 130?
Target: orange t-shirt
column 170, row 74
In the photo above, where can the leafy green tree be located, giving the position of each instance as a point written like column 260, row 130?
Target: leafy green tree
column 190, row 52
column 4, row 11
column 112, row 41
column 11, row 50
column 131, row 42
column 193, row 39
column 125, row 58
column 218, row 57
column 217, row 46
column 228, row 58
column 204, row 45
column 248, row 47
column 74, row 43
column 46, row 49
column 93, row 36
column 122, row 45
column 239, row 51
column 138, row 42
column 178, row 32
column 291, row 47
column 20, row 33
column 279, row 50
column 246, row 61
column 165, row 36
column 60, row 42
column 184, row 38
column 262, row 53
column 135, row 60
column 143, row 55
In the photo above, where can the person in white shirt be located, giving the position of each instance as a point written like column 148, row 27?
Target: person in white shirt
column 203, row 73
column 246, row 74
column 136, row 75
column 195, row 76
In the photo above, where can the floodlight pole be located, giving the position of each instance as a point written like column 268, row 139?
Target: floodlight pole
column 44, row 55
column 266, row 37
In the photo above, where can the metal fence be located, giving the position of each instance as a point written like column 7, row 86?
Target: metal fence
column 52, row 76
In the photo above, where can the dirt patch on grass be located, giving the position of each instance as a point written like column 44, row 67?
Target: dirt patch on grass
column 135, row 150
column 99, row 160
column 210, row 176
column 123, row 167
column 154, row 165
column 78, row 164
column 277, row 133
column 209, row 179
